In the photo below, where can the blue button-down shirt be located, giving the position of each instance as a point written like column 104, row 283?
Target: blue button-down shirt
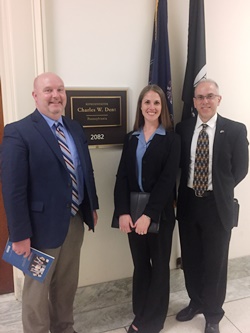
column 73, row 151
column 141, row 149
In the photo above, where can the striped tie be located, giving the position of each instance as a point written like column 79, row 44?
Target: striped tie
column 69, row 163
column 200, row 183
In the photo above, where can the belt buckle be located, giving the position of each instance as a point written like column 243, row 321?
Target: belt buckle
column 203, row 195
column 199, row 195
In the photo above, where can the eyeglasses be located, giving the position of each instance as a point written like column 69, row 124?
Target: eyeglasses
column 209, row 97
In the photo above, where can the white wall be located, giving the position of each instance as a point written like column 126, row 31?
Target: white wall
column 17, row 56
column 228, row 54
column 105, row 44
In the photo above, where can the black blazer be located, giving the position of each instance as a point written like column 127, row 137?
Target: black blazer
column 159, row 169
column 36, row 184
column 229, row 166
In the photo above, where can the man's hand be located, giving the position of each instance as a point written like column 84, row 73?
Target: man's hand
column 22, row 247
column 95, row 217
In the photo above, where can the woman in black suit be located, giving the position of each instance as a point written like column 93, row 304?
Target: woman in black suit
column 149, row 163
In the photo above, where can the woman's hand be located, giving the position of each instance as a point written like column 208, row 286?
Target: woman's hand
column 125, row 223
column 142, row 224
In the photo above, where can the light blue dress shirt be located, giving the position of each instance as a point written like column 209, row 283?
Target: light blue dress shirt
column 73, row 151
column 141, row 149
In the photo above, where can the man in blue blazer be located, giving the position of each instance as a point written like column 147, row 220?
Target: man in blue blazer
column 37, row 192
column 206, row 221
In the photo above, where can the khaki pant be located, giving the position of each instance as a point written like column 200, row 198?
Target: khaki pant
column 49, row 305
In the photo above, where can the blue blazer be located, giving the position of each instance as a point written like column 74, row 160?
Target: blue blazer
column 229, row 165
column 36, row 184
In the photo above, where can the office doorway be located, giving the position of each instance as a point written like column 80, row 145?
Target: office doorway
column 6, row 270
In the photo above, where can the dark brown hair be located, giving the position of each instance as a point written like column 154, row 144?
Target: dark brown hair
column 164, row 118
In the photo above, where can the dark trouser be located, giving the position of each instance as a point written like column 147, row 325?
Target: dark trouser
column 49, row 305
column 151, row 254
column 204, row 248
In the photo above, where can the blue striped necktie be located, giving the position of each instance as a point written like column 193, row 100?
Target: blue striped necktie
column 69, row 163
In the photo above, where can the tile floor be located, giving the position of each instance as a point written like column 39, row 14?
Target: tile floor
column 106, row 307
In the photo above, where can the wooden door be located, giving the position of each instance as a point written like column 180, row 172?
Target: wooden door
column 6, row 270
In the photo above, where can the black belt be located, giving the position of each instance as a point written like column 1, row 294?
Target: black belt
column 204, row 195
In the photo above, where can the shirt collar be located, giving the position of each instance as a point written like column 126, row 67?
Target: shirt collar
column 211, row 123
column 160, row 130
column 50, row 121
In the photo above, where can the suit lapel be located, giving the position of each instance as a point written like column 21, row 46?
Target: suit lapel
column 188, row 135
column 154, row 143
column 133, row 142
column 218, row 138
column 43, row 128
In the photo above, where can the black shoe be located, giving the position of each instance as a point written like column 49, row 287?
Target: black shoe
column 212, row 328
column 187, row 313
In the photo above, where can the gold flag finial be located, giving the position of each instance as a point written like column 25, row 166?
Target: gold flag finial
column 156, row 13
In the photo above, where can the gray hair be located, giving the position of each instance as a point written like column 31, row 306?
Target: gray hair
column 209, row 81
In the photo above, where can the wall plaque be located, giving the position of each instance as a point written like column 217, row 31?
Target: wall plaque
column 102, row 113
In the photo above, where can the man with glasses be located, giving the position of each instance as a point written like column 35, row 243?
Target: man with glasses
column 214, row 159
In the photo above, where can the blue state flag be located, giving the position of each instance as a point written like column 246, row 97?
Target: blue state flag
column 159, row 72
column 196, row 57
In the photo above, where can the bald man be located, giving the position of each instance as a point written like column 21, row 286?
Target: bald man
column 46, row 203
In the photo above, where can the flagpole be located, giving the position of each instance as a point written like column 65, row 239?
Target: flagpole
column 196, row 57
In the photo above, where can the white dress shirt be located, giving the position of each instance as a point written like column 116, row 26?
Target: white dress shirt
column 211, row 132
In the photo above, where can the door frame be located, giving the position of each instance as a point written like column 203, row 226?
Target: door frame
column 6, row 275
